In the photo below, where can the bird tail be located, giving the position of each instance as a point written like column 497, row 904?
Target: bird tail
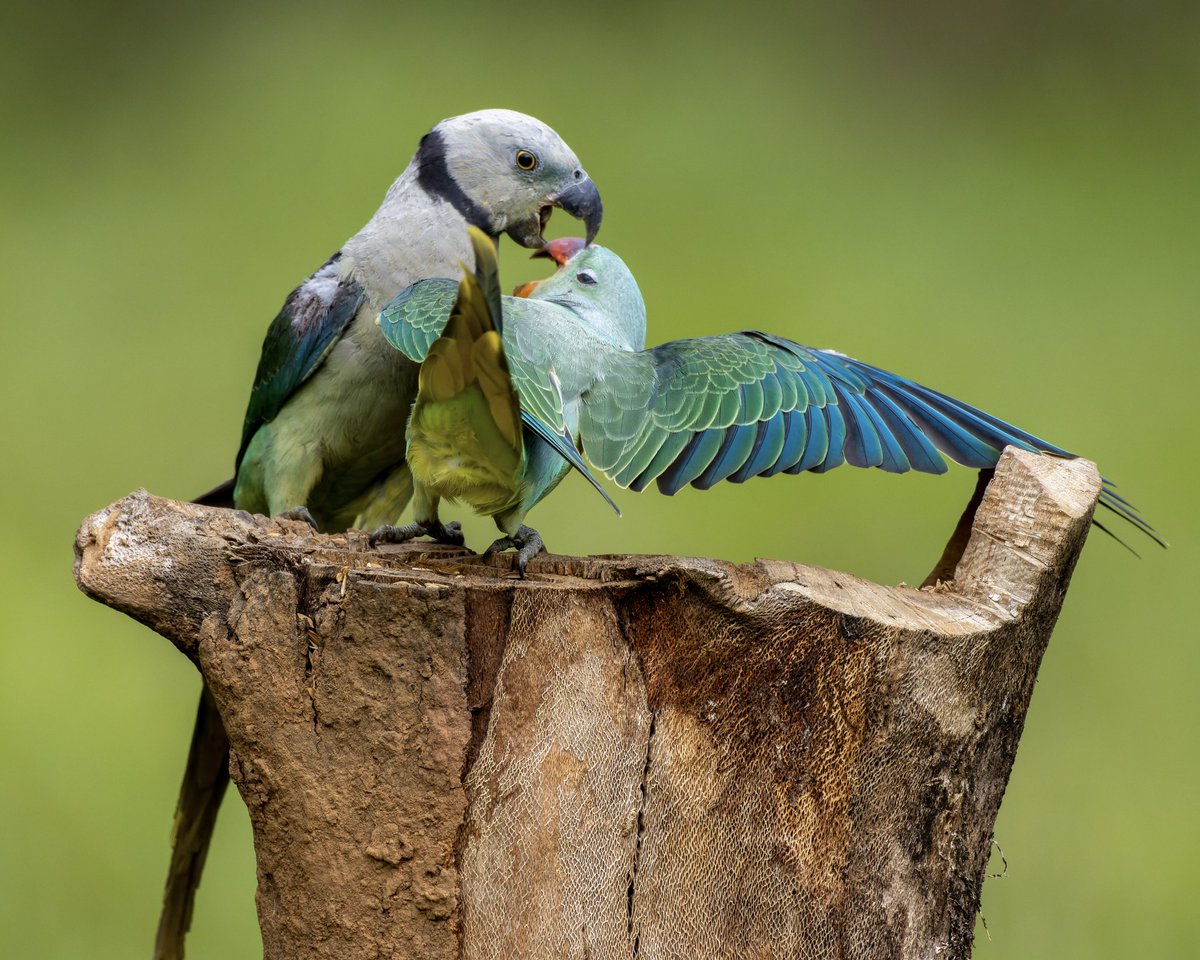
column 204, row 781
column 219, row 496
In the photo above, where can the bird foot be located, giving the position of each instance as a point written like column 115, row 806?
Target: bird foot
column 299, row 513
column 526, row 541
column 449, row 533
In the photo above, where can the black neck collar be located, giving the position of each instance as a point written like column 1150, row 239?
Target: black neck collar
column 434, row 176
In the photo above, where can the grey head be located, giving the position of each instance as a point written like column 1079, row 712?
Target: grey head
column 505, row 172
column 593, row 283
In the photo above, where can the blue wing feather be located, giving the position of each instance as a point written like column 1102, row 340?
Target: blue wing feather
column 862, row 447
column 751, row 404
column 893, row 458
column 695, row 457
column 672, row 447
column 922, row 455
column 767, row 449
column 836, row 444
column 735, row 448
column 817, row 446
column 795, row 427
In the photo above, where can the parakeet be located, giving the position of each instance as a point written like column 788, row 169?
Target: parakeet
column 470, row 436
column 573, row 368
column 320, row 439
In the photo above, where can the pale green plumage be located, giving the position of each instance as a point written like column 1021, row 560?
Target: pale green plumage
column 704, row 410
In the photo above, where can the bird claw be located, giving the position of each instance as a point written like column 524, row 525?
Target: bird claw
column 299, row 513
column 448, row 533
column 526, row 541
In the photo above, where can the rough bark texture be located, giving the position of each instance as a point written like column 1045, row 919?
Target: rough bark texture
column 651, row 757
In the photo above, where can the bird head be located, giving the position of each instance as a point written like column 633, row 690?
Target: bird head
column 594, row 283
column 505, row 172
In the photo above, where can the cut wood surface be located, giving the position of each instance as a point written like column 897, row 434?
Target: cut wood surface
column 642, row 756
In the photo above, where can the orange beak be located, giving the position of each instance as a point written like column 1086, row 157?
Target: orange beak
column 526, row 289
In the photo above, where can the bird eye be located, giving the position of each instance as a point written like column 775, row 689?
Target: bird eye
column 526, row 160
column 586, row 277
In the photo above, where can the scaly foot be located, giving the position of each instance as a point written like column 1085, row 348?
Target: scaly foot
column 526, row 541
column 299, row 513
column 449, row 533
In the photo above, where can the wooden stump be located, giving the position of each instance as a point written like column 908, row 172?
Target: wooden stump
column 654, row 757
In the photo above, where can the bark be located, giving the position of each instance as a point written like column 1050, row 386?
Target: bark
column 655, row 757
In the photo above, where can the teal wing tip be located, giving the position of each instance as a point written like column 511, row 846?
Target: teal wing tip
column 564, row 444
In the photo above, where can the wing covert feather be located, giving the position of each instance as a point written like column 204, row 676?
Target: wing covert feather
column 417, row 315
column 313, row 318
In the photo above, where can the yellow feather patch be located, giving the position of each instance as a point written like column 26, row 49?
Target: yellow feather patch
column 497, row 387
column 465, row 430
column 443, row 374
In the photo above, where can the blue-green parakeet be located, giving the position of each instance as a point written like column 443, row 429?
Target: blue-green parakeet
column 573, row 369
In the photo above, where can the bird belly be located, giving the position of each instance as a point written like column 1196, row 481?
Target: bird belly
column 454, row 455
column 347, row 421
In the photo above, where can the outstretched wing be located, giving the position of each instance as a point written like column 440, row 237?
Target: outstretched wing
column 417, row 315
column 749, row 404
column 313, row 317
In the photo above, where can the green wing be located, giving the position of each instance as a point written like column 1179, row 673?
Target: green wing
column 299, row 339
column 747, row 404
column 417, row 316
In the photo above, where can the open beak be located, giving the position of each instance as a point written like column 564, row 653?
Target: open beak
column 581, row 200
column 562, row 251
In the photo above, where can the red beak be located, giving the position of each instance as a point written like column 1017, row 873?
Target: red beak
column 562, row 249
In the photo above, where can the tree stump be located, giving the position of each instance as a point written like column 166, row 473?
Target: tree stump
column 642, row 756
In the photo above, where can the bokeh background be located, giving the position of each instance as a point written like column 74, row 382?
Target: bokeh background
column 999, row 199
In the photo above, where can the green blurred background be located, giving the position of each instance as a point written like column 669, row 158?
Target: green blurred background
column 998, row 199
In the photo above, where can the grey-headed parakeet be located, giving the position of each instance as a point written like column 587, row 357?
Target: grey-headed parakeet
column 321, row 439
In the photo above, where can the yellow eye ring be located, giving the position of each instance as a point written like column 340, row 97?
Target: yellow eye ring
column 526, row 160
